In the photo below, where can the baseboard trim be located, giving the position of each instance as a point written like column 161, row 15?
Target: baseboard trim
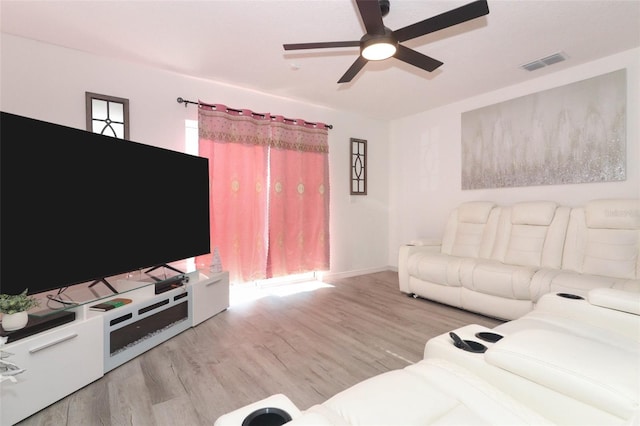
column 347, row 274
column 319, row 276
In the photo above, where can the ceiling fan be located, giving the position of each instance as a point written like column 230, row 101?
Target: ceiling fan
column 381, row 43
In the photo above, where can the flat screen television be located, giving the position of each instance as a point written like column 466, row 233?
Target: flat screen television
column 77, row 206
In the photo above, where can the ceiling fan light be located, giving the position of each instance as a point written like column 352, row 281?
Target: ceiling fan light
column 379, row 51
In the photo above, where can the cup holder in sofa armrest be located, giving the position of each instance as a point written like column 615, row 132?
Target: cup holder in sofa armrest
column 268, row 416
column 570, row 296
column 488, row 336
column 467, row 345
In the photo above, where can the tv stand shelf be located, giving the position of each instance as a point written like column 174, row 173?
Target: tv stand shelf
column 82, row 294
column 102, row 341
column 38, row 324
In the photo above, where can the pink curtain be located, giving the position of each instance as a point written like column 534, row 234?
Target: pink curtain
column 269, row 183
column 299, row 198
column 237, row 147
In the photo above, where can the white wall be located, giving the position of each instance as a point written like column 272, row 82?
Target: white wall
column 425, row 152
column 47, row 82
column 413, row 162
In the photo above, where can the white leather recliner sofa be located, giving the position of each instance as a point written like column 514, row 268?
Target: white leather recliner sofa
column 499, row 260
column 570, row 361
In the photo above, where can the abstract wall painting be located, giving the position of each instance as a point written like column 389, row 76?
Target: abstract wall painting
column 570, row 134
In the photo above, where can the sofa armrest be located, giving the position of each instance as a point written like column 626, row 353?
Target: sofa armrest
column 583, row 369
column 239, row 415
column 405, row 252
column 619, row 300
column 425, row 242
column 602, row 315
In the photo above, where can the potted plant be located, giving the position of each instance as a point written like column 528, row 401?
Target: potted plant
column 14, row 309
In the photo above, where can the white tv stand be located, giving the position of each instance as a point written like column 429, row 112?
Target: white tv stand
column 101, row 341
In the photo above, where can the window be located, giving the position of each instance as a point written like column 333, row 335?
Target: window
column 107, row 115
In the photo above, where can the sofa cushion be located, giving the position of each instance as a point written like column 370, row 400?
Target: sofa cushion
column 497, row 279
column 603, row 239
column 531, row 234
column 612, row 252
column 435, row 267
column 470, row 230
column 467, row 239
column 535, row 240
column 525, row 245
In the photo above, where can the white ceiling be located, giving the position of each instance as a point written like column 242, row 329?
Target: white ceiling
column 240, row 42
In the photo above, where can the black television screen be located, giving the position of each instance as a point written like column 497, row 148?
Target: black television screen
column 77, row 206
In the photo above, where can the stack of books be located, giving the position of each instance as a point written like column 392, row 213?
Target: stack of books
column 110, row 304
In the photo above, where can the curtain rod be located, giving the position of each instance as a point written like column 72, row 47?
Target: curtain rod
column 186, row 102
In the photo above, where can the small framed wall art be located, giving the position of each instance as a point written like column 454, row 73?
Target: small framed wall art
column 358, row 166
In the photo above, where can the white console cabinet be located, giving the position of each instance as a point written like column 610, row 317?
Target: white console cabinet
column 210, row 295
column 57, row 362
column 101, row 341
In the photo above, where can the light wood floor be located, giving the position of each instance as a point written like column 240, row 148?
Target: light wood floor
column 308, row 346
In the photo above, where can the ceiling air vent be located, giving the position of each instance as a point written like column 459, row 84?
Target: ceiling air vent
column 546, row 61
column 532, row 66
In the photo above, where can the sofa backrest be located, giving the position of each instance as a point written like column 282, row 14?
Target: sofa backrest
column 532, row 234
column 603, row 238
column 470, row 230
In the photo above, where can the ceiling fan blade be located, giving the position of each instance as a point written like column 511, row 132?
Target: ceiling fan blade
column 321, row 45
column 444, row 20
column 353, row 70
column 371, row 16
column 416, row 59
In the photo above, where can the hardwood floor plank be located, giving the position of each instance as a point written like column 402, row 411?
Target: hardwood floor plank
column 129, row 398
column 162, row 374
column 175, row 411
column 90, row 402
column 308, row 346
